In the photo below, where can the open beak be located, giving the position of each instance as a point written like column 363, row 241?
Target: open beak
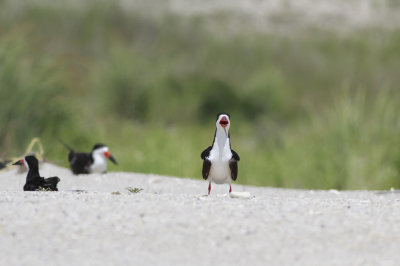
column 224, row 122
column 112, row 160
column 20, row 162
column 109, row 156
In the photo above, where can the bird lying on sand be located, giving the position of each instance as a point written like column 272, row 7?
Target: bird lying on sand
column 33, row 180
column 87, row 163
column 4, row 164
column 220, row 161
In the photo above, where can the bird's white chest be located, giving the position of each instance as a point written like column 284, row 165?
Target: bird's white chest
column 99, row 165
column 220, row 155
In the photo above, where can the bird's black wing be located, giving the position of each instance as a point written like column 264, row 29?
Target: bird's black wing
column 233, row 165
column 38, row 183
column 235, row 155
column 206, row 163
column 51, row 183
column 80, row 162
column 206, row 153
column 206, row 168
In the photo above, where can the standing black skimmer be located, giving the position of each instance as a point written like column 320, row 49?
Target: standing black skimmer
column 87, row 163
column 220, row 161
column 33, row 180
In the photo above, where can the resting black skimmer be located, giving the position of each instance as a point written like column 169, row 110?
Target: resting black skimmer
column 220, row 161
column 93, row 162
column 33, row 180
column 4, row 164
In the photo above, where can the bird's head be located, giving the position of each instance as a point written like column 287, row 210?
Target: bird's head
column 223, row 122
column 29, row 161
column 102, row 150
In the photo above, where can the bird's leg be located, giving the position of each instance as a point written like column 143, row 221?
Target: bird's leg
column 230, row 188
column 209, row 188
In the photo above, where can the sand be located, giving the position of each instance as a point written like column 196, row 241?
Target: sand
column 171, row 222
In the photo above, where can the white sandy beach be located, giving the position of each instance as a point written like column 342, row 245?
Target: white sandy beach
column 170, row 222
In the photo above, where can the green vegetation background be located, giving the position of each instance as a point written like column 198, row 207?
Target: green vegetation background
column 309, row 109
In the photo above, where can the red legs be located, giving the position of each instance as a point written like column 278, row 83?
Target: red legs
column 209, row 188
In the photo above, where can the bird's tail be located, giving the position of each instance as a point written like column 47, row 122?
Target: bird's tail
column 65, row 145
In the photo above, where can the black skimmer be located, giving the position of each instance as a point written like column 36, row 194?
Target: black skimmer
column 220, row 161
column 33, row 180
column 4, row 164
column 93, row 162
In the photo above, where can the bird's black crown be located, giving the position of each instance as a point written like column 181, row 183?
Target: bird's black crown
column 223, row 113
column 98, row 145
column 31, row 160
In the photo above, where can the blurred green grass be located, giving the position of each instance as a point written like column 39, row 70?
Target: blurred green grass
column 310, row 109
